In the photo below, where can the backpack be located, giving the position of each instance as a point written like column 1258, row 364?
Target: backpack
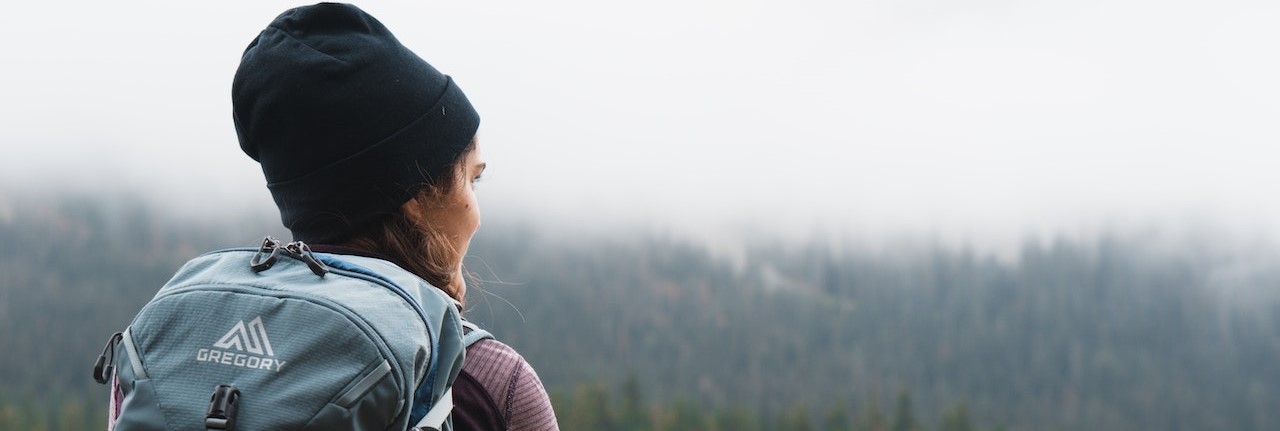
column 279, row 338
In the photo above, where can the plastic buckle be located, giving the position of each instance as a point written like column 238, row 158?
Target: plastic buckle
column 222, row 408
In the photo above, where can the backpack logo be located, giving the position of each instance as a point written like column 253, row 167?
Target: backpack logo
column 243, row 346
column 254, row 339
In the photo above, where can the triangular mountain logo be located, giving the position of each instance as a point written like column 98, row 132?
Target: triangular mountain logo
column 250, row 338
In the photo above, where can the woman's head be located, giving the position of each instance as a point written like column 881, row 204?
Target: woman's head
column 352, row 129
column 430, row 233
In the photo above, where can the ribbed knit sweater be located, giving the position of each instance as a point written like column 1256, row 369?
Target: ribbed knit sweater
column 498, row 390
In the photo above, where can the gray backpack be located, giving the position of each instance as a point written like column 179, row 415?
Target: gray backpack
column 280, row 338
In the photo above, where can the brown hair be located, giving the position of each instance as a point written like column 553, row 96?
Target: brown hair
column 409, row 240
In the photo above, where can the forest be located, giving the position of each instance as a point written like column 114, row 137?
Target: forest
column 646, row 330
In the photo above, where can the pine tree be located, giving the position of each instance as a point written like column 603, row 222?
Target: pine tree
column 903, row 419
column 631, row 411
column 589, row 409
column 871, row 418
column 71, row 417
column 8, row 416
column 956, row 419
column 738, row 419
column 796, row 419
column 838, row 419
column 687, row 417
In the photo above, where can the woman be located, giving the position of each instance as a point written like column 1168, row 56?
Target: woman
column 368, row 150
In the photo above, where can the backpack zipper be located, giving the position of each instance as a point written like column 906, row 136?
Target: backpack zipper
column 103, row 368
column 298, row 250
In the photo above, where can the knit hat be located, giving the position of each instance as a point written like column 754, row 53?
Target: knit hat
column 347, row 123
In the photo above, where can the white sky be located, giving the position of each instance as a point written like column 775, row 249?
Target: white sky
column 979, row 120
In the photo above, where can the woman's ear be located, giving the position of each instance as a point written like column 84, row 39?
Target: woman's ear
column 414, row 209
column 422, row 206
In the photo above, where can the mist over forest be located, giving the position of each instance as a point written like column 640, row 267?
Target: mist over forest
column 642, row 329
column 725, row 215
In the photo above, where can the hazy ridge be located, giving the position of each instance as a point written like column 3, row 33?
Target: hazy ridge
column 1124, row 331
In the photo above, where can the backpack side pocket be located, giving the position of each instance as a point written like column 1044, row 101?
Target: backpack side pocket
column 357, row 406
column 140, row 409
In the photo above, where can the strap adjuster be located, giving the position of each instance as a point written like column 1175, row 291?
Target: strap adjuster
column 222, row 408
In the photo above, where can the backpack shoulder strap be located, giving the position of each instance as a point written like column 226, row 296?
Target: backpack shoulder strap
column 472, row 334
column 434, row 420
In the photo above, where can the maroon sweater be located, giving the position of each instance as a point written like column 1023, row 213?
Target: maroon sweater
column 498, row 390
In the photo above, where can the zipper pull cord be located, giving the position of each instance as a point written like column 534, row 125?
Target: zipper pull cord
column 271, row 248
column 104, row 368
column 301, row 251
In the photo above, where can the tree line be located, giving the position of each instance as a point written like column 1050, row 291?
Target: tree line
column 593, row 406
column 1118, row 332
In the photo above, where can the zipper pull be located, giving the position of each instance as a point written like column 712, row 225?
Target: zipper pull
column 301, row 251
column 271, row 248
column 104, row 368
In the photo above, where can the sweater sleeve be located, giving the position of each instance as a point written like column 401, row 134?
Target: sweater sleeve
column 530, row 407
column 510, row 384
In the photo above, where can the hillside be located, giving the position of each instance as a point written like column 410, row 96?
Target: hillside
column 1109, row 334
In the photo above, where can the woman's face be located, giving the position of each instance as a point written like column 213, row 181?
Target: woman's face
column 458, row 214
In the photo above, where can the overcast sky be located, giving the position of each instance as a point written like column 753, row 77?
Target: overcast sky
column 982, row 120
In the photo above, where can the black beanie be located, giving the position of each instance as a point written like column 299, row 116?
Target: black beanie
column 347, row 123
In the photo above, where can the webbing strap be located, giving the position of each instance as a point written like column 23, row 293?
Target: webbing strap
column 134, row 360
column 472, row 333
column 434, row 420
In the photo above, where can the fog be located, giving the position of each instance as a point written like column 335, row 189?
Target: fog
column 980, row 122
